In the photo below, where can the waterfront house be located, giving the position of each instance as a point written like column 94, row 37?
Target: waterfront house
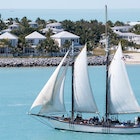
column 5, row 30
column 13, row 40
column 131, row 37
column 65, row 36
column 34, row 38
column 122, row 28
column 54, row 27
column 14, row 26
column 33, row 24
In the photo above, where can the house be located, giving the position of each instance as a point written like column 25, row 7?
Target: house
column 6, row 22
column 33, row 24
column 13, row 40
column 5, row 30
column 34, row 38
column 14, row 26
column 122, row 28
column 129, row 36
column 54, row 27
column 64, row 36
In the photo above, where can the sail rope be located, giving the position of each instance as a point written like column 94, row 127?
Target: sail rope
column 41, row 120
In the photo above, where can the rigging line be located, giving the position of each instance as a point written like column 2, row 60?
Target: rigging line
column 41, row 120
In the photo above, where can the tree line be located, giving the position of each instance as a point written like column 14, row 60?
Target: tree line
column 90, row 32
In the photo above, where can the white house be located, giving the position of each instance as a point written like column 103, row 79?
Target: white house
column 64, row 36
column 5, row 30
column 34, row 38
column 10, row 37
column 33, row 24
column 14, row 26
column 55, row 27
column 122, row 28
column 129, row 36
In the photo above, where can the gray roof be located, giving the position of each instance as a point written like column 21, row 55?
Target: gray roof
column 54, row 24
column 65, row 34
column 8, row 35
column 35, row 35
column 126, row 34
column 121, row 27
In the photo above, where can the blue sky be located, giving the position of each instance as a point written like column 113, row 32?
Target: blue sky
column 68, row 4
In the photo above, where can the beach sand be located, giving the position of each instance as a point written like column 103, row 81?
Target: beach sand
column 132, row 58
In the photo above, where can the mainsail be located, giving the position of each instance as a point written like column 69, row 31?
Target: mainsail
column 121, row 97
column 51, row 96
column 83, row 96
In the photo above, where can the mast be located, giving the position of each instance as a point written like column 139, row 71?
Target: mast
column 72, row 100
column 107, row 65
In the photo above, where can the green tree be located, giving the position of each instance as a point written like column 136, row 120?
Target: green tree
column 67, row 44
column 48, row 45
column 118, row 23
column 136, row 29
column 41, row 23
column 2, row 25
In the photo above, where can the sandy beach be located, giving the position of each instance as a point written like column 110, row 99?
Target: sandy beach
column 132, row 58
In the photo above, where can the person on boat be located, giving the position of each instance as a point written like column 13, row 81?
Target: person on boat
column 137, row 120
column 62, row 117
column 78, row 118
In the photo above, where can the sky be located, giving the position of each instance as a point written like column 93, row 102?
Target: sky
column 68, row 4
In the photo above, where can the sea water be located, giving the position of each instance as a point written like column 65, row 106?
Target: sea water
column 20, row 86
column 114, row 15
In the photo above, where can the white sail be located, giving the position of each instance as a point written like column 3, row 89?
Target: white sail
column 121, row 97
column 51, row 96
column 83, row 96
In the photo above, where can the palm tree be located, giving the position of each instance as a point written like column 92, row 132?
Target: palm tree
column 52, row 46
column 5, row 44
column 41, row 23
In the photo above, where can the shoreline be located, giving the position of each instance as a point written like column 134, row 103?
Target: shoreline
column 45, row 62
column 130, row 58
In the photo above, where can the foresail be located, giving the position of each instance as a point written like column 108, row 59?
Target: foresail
column 83, row 96
column 51, row 96
column 121, row 96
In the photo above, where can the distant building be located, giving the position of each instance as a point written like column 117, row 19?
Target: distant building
column 64, row 36
column 122, row 28
column 124, row 33
column 33, row 24
column 34, row 38
column 5, row 49
column 14, row 26
column 131, row 37
column 54, row 27
column 6, row 22
column 13, row 40
column 6, row 30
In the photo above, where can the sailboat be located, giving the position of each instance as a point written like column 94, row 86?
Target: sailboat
column 120, row 98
